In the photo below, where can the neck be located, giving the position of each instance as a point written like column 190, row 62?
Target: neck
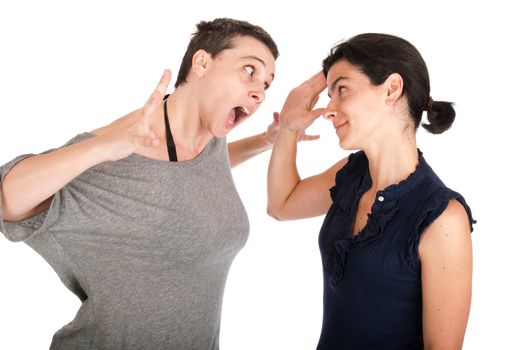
column 392, row 161
column 190, row 135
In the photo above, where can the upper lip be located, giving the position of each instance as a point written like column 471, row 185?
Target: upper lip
column 341, row 123
column 246, row 111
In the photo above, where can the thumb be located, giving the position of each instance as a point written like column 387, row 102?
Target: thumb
column 276, row 118
column 151, row 140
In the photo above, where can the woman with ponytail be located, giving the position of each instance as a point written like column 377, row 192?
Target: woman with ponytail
column 395, row 243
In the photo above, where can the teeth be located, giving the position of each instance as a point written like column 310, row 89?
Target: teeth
column 245, row 110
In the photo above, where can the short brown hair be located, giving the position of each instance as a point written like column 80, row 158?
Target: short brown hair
column 216, row 36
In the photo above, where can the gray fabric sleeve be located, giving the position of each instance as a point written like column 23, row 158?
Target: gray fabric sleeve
column 18, row 230
column 22, row 230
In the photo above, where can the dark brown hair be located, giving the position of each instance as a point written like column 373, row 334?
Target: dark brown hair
column 380, row 55
column 216, row 36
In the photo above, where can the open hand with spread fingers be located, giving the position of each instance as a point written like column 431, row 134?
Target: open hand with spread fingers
column 133, row 131
column 297, row 112
column 273, row 130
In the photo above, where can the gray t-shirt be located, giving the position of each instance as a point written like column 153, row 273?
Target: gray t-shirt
column 146, row 245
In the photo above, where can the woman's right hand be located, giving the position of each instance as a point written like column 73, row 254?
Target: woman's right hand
column 133, row 131
column 297, row 112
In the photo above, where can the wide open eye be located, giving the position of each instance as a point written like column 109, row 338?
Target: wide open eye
column 249, row 70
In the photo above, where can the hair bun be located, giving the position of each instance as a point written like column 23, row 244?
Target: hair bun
column 441, row 115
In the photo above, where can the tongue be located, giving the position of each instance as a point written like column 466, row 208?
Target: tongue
column 231, row 118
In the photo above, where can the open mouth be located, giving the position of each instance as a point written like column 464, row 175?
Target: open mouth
column 240, row 114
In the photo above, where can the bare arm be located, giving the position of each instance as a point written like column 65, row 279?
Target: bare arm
column 445, row 251
column 23, row 194
column 244, row 149
column 289, row 197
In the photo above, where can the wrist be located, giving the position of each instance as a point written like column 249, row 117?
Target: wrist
column 266, row 141
column 284, row 124
column 100, row 150
column 287, row 128
column 286, row 131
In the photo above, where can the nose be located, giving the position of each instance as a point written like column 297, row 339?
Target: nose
column 329, row 114
column 257, row 96
column 331, row 111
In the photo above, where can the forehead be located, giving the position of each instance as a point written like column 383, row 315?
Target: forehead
column 342, row 68
column 245, row 47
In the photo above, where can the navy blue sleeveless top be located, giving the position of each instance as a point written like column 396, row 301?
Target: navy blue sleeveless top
column 372, row 280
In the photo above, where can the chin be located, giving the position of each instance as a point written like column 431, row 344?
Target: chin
column 346, row 145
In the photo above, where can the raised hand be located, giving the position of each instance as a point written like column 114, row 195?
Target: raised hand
column 133, row 131
column 297, row 112
column 273, row 130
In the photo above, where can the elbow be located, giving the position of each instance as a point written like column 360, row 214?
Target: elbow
column 12, row 212
column 275, row 213
column 9, row 215
column 272, row 213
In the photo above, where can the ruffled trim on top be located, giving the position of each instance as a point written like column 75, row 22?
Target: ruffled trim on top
column 336, row 247
column 433, row 210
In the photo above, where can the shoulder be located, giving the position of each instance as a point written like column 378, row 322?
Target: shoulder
column 352, row 164
column 449, row 232
column 350, row 169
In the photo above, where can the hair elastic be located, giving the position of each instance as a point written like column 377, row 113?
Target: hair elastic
column 429, row 105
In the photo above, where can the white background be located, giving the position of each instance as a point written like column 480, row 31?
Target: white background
column 68, row 67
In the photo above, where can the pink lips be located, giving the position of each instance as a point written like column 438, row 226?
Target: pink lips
column 230, row 121
column 339, row 126
column 236, row 116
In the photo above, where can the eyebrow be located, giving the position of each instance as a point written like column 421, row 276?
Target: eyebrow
column 264, row 65
column 334, row 84
column 256, row 58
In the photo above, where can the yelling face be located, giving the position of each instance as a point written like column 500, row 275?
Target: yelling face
column 233, row 84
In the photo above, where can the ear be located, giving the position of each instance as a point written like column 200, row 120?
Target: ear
column 394, row 88
column 200, row 62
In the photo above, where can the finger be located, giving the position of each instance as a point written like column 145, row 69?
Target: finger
column 310, row 137
column 317, row 81
column 317, row 112
column 276, row 118
column 309, row 107
column 164, row 81
column 314, row 86
column 149, row 140
column 157, row 96
column 316, row 77
column 154, row 139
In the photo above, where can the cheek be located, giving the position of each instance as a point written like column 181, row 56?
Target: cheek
column 223, row 87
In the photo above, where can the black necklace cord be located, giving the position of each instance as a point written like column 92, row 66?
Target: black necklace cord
column 172, row 152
